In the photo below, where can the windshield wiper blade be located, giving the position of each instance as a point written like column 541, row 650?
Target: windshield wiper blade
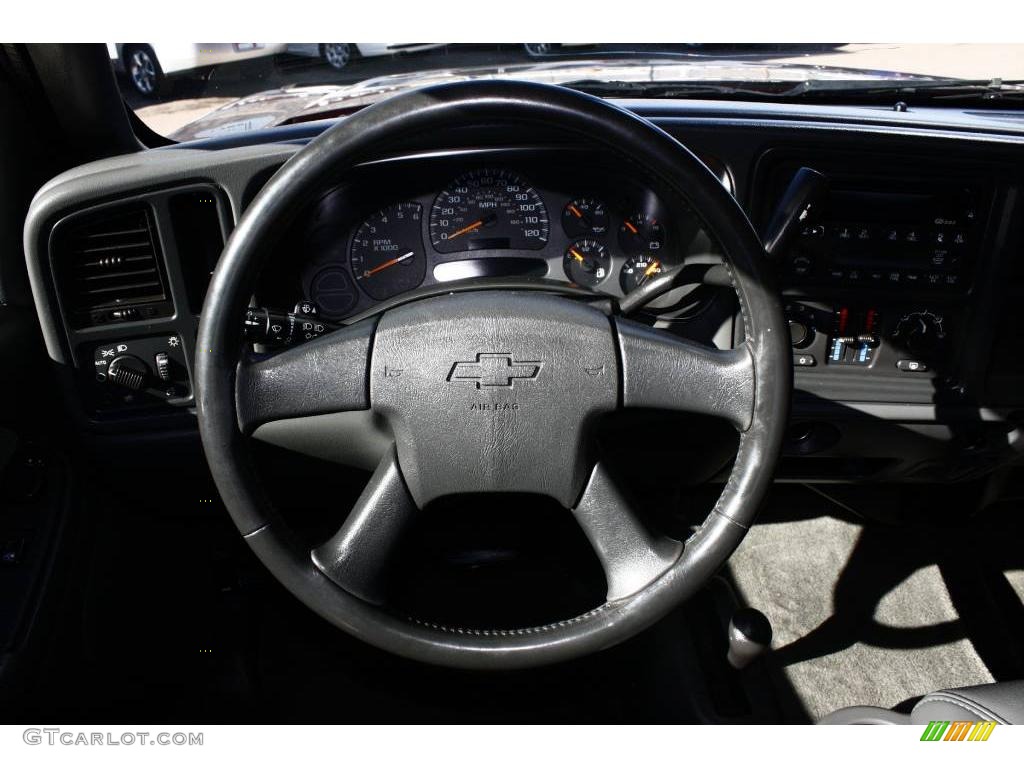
column 669, row 90
column 936, row 88
column 926, row 88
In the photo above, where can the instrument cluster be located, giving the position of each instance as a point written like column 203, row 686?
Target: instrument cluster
column 374, row 238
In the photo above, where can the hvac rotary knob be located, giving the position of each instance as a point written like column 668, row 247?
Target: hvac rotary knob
column 922, row 333
column 128, row 371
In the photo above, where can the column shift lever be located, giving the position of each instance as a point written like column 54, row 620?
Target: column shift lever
column 804, row 191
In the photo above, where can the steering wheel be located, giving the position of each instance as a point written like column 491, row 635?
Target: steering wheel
column 490, row 391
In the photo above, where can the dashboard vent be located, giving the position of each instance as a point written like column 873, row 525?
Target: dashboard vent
column 110, row 268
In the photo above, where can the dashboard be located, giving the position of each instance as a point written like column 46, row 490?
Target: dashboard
column 902, row 285
column 546, row 214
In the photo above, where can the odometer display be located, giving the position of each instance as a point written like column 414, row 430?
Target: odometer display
column 488, row 209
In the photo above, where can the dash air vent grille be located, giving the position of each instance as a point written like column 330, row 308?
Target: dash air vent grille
column 110, row 268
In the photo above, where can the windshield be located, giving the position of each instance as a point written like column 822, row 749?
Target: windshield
column 191, row 91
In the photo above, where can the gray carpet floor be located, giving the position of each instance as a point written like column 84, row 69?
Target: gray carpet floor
column 859, row 617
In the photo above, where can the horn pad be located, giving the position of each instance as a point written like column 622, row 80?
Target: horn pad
column 494, row 391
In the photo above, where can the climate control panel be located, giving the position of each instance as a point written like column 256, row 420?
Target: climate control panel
column 885, row 338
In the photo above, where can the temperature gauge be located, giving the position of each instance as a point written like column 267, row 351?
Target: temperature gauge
column 638, row 270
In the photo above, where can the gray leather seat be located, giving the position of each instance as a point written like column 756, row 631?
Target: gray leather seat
column 999, row 702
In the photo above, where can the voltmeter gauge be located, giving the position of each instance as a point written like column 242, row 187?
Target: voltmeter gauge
column 641, row 233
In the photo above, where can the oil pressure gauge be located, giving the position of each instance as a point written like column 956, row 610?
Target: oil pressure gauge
column 585, row 217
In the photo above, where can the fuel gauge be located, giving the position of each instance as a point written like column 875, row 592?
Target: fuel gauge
column 586, row 263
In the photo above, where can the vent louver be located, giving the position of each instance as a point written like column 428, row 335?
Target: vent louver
column 110, row 268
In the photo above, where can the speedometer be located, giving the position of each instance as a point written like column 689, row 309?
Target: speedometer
column 488, row 209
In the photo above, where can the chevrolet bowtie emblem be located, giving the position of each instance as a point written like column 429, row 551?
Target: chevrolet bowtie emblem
column 494, row 369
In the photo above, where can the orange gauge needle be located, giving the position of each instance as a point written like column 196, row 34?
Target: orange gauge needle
column 470, row 227
column 652, row 269
column 631, row 228
column 576, row 255
column 575, row 211
column 386, row 264
column 475, row 225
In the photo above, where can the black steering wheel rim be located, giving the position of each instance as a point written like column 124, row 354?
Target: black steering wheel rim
column 437, row 109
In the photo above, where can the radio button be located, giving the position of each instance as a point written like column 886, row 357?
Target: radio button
column 801, row 266
column 911, row 366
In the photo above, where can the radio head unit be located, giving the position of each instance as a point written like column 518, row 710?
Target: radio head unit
column 875, row 233
column 885, row 222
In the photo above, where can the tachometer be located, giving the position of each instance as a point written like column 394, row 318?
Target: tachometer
column 488, row 209
column 387, row 251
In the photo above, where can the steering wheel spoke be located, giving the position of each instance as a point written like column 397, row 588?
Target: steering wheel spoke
column 357, row 557
column 663, row 371
column 325, row 375
column 632, row 557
